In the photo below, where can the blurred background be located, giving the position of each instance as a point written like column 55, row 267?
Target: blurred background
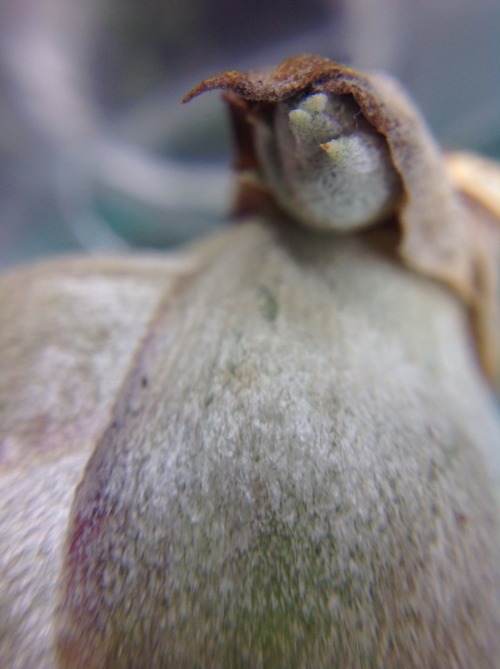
column 96, row 151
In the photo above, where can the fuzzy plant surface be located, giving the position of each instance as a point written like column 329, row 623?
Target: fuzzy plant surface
column 277, row 448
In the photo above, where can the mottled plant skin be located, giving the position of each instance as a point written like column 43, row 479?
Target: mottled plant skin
column 298, row 469
column 276, row 449
column 70, row 330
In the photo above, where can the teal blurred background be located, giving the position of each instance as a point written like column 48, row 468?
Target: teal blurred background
column 98, row 155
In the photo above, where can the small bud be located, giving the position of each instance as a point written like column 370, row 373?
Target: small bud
column 326, row 165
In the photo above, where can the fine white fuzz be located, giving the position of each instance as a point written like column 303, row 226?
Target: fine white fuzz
column 326, row 165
